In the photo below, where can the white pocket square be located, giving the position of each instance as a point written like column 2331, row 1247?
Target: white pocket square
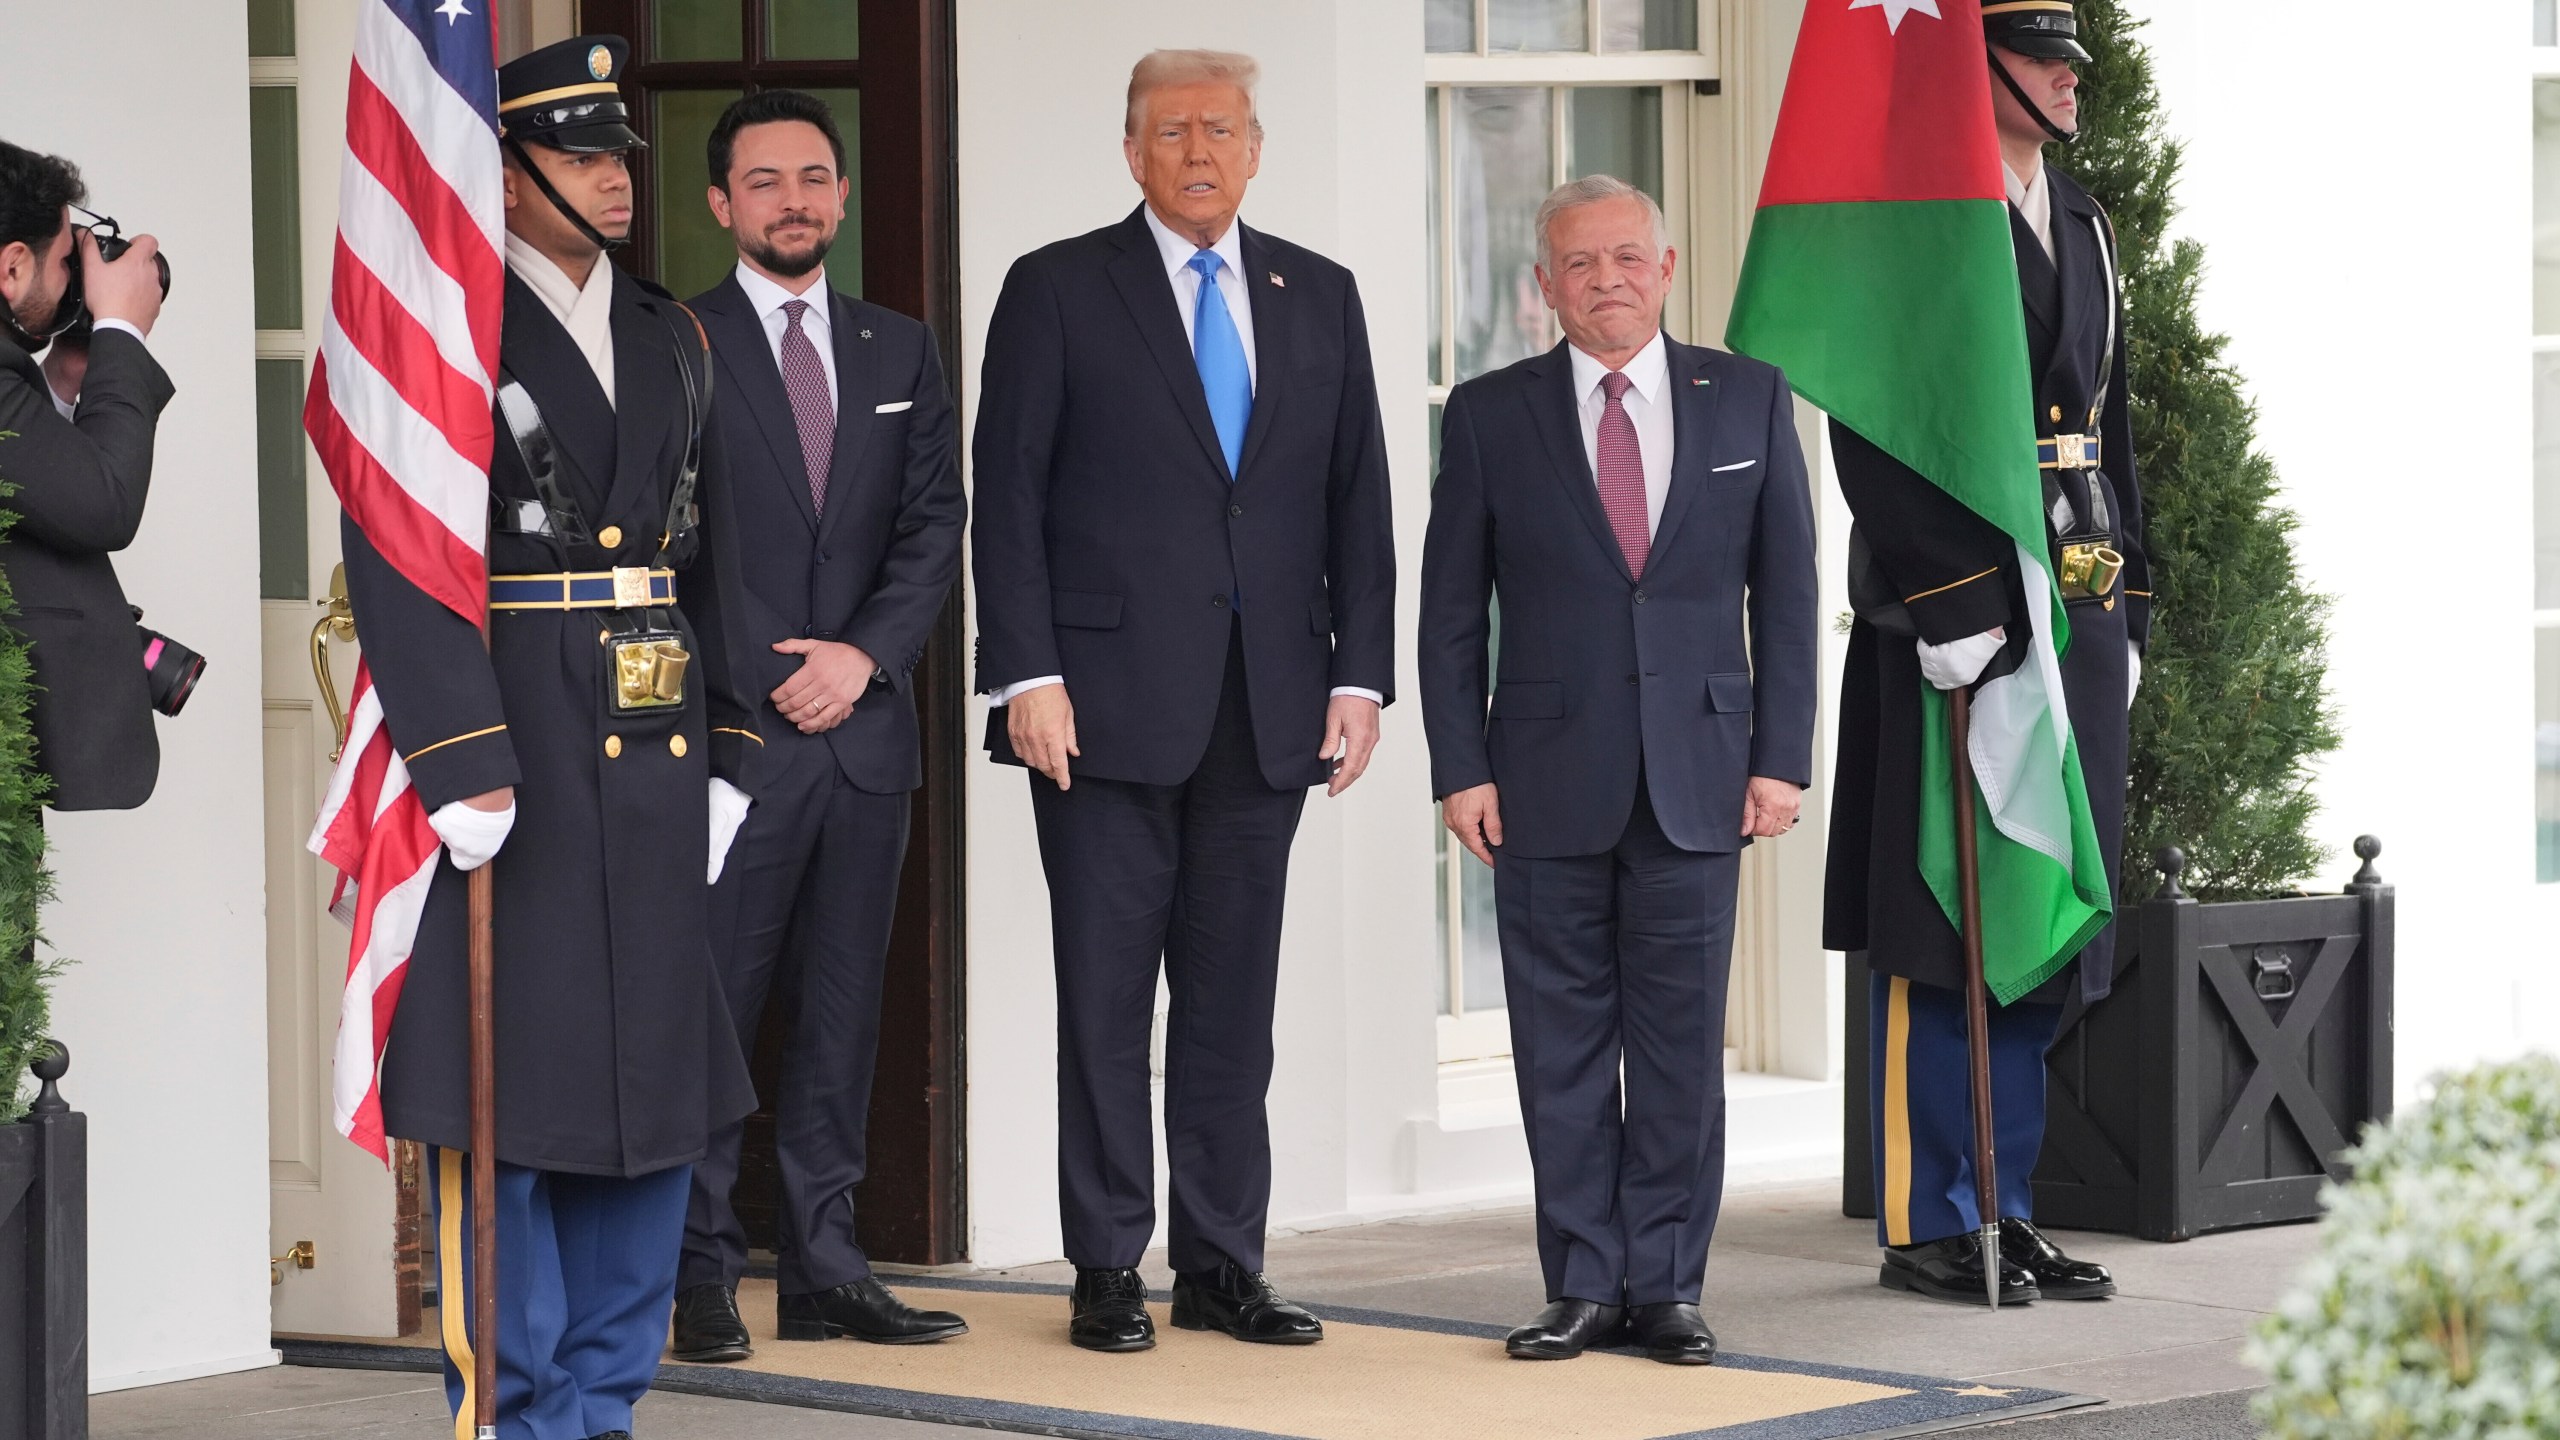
column 1736, row 465
column 893, row 407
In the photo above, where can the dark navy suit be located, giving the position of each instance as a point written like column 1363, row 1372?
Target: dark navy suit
column 811, row 887
column 1201, row 620
column 1626, row 718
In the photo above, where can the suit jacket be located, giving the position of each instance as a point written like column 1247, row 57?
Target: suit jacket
column 80, row 489
column 1111, row 542
column 1696, row 677
column 874, row 569
column 612, row 1029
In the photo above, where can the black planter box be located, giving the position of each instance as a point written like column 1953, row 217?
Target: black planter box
column 44, row 1268
column 2243, row 1048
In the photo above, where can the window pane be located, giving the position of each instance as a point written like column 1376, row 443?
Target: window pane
column 2546, row 207
column 275, row 207
column 1502, row 163
column 2546, row 482
column 812, row 29
column 697, row 30
column 1480, row 961
column 1440, row 956
column 1449, row 26
column 1618, row 131
column 284, row 517
column 1648, row 25
column 2546, row 22
column 271, row 28
column 1537, row 25
column 844, row 262
column 1433, row 199
column 2546, row 749
column 693, row 251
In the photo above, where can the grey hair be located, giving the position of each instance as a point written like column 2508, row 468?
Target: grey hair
column 1594, row 190
column 1162, row 68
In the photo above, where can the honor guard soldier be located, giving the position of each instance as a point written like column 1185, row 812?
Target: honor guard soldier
column 1940, row 601
column 598, row 736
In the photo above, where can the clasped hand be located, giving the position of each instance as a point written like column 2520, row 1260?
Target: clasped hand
column 831, row 680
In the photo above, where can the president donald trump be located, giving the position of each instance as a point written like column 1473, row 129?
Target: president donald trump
column 1638, row 507
column 1186, row 606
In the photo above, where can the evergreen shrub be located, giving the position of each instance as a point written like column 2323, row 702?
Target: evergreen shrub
column 25, row 883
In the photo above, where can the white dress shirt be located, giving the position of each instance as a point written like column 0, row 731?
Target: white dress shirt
column 586, row 311
column 1648, row 403
column 1177, row 251
column 70, row 409
column 768, row 298
column 2034, row 199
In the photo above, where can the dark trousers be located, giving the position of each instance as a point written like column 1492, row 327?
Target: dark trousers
column 586, row 1278
column 802, row 913
column 1189, row 878
column 1920, row 1086
column 1619, row 961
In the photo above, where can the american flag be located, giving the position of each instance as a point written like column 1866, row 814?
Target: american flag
column 400, row 414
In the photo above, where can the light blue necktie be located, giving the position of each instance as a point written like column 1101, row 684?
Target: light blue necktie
column 1219, row 352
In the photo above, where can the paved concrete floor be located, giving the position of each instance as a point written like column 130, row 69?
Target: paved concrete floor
column 1789, row 1278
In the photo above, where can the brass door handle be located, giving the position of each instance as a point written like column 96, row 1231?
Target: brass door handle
column 337, row 622
column 303, row 1256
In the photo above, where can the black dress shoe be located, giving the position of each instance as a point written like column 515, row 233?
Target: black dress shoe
column 612, row 1435
column 1109, row 1310
column 1672, row 1333
column 1951, row 1269
column 1566, row 1328
column 1243, row 1304
column 708, row 1330
column 865, row 1310
column 2057, row 1275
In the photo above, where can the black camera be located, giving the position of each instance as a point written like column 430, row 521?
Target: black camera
column 170, row 669
column 71, row 319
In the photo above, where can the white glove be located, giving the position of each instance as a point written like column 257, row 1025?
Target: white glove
column 1959, row 663
column 728, row 811
column 2133, row 672
column 472, row 837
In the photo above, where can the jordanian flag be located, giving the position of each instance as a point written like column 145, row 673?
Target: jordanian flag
column 1881, row 277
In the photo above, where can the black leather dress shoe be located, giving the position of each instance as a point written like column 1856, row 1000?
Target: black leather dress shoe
column 1672, row 1333
column 1951, row 1269
column 1110, row 1312
column 1243, row 1304
column 865, row 1310
column 1566, row 1328
column 708, row 1330
column 2057, row 1275
column 612, row 1435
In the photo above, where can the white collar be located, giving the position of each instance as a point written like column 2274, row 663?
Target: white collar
column 1649, row 371
column 1178, row 249
column 2022, row 191
column 768, row 296
column 552, row 283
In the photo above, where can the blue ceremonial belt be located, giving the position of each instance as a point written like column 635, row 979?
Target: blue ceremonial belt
column 2067, row 452
column 624, row 589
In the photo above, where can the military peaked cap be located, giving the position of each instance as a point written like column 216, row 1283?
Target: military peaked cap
column 2042, row 29
column 567, row 96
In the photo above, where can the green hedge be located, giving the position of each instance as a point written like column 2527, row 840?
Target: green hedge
column 25, row 884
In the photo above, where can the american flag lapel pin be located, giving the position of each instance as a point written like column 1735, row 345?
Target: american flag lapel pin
column 1277, row 283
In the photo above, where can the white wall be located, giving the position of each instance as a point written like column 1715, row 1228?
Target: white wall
column 162, row 909
column 1041, row 98
column 2365, row 207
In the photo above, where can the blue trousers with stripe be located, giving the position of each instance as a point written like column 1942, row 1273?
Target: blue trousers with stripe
column 586, row 1279
column 1920, row 1089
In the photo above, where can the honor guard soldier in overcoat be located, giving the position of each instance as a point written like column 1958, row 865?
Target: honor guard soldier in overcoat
column 1940, row 601
column 602, row 719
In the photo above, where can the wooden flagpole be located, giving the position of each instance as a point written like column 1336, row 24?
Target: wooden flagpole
column 1977, row 991
column 484, row 1154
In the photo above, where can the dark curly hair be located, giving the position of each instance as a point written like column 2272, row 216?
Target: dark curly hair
column 33, row 190
column 766, row 107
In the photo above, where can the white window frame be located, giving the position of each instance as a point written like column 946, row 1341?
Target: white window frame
column 1683, row 77
column 2546, row 67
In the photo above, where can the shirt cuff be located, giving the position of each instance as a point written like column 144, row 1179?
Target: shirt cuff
column 1007, row 695
column 1372, row 696
column 126, row 326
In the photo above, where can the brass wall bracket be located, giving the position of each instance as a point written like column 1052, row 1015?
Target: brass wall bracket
column 337, row 622
column 303, row 1256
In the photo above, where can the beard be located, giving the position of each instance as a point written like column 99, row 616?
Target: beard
column 791, row 264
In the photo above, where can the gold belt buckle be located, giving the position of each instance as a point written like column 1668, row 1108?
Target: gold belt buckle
column 630, row 587
column 2071, row 452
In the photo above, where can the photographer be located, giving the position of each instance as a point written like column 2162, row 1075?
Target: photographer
column 79, row 466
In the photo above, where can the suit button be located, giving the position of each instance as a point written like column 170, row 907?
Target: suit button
column 2057, row 414
column 613, row 747
column 1235, row 509
column 822, row 557
column 1640, row 597
column 610, row 537
column 1631, row 680
column 1218, row 600
column 676, row 746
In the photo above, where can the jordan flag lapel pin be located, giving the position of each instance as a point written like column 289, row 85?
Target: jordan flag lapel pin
column 1276, row 282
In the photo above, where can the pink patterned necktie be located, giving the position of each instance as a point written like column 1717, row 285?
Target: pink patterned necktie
column 814, row 412
column 1622, row 475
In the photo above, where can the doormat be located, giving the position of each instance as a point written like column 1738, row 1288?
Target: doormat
column 1377, row 1376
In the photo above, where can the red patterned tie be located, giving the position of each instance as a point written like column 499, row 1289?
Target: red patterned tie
column 1622, row 475
column 814, row 413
